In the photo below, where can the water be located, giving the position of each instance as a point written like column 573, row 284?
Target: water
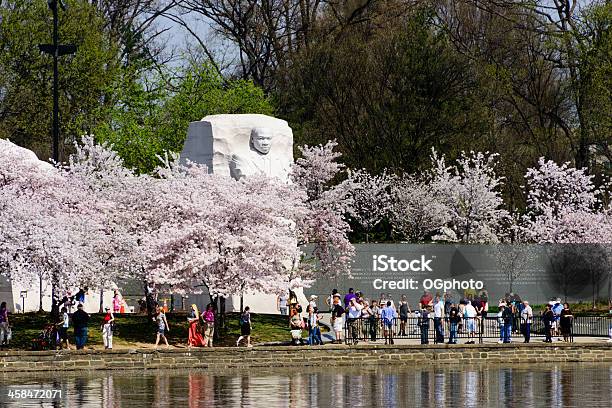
column 567, row 385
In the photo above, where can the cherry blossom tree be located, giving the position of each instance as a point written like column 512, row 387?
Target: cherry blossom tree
column 233, row 236
column 92, row 221
column 371, row 198
column 552, row 189
column 325, row 228
column 417, row 212
column 50, row 223
column 565, row 208
column 470, row 191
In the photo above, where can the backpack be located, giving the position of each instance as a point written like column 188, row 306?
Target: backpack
column 338, row 311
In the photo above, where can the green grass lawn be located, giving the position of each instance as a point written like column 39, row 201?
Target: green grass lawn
column 135, row 331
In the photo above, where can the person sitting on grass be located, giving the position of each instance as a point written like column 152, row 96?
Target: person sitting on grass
column 245, row 327
column 162, row 326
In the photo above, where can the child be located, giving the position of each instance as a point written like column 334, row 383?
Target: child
column 162, row 326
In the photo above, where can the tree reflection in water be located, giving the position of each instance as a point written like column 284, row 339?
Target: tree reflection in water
column 476, row 386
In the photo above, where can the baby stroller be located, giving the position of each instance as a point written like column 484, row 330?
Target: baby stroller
column 48, row 339
column 296, row 337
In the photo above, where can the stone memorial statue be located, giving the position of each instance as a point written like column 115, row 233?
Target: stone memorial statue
column 241, row 145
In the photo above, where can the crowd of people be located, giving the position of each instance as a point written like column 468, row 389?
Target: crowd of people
column 55, row 334
column 366, row 319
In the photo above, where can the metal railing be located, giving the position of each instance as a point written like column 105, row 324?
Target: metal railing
column 475, row 329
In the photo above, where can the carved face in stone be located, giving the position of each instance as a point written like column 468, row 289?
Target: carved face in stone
column 261, row 140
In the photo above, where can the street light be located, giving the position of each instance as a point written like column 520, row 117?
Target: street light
column 23, row 295
column 56, row 50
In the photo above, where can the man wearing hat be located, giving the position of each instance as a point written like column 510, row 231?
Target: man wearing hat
column 526, row 318
column 507, row 317
column 80, row 318
column 312, row 301
column 107, row 328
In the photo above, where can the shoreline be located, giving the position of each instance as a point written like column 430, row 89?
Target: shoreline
column 302, row 356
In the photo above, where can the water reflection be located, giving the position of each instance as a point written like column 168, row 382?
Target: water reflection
column 546, row 386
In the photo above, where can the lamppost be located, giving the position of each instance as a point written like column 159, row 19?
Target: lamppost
column 56, row 50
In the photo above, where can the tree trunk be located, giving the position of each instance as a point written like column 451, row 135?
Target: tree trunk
column 54, row 298
column 609, row 290
column 213, row 301
column 148, row 299
column 40, row 295
column 593, row 288
column 101, row 300
column 222, row 312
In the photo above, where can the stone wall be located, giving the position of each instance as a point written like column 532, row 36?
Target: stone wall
column 224, row 358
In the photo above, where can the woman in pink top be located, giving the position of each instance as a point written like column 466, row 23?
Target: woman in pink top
column 116, row 302
column 209, row 325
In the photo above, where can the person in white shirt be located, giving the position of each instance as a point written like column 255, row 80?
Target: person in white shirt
column 282, row 304
column 438, row 322
column 470, row 318
column 330, row 300
column 366, row 315
column 526, row 318
column 312, row 301
column 63, row 330
column 353, row 316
